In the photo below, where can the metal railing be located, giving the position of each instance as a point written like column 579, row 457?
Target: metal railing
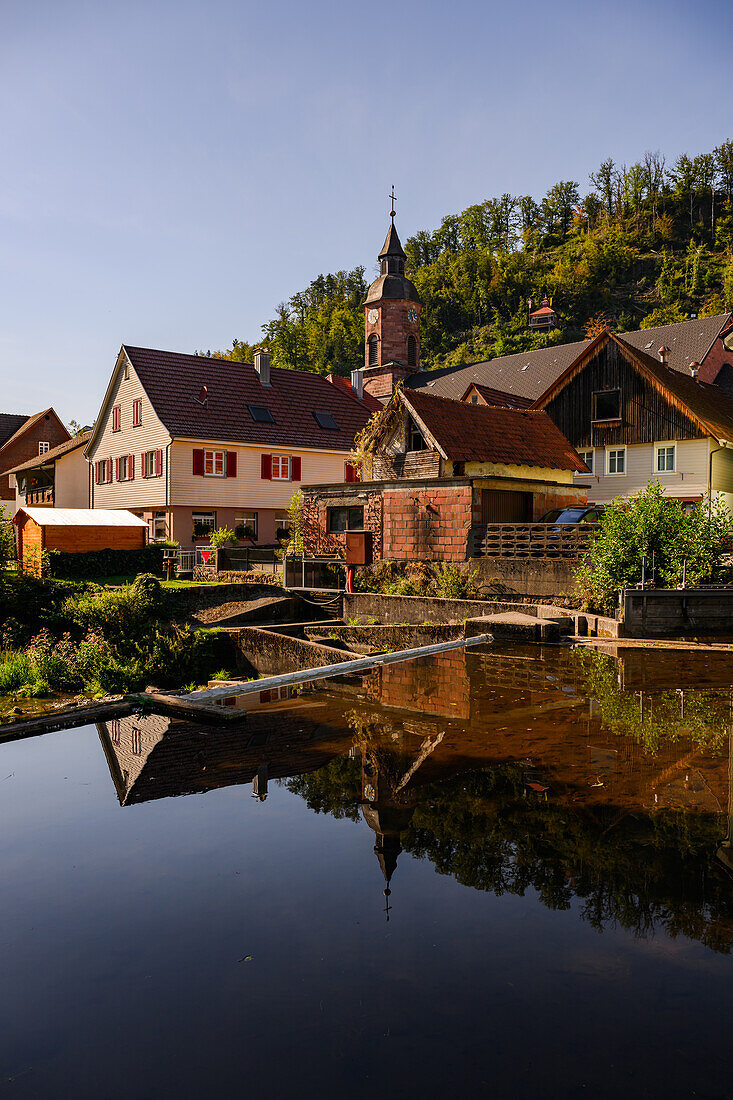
column 307, row 572
column 531, row 540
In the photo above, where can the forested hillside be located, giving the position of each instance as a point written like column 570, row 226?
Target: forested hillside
column 639, row 245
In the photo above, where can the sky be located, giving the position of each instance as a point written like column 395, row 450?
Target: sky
column 170, row 172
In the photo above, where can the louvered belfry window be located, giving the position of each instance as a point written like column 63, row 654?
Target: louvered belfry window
column 373, row 345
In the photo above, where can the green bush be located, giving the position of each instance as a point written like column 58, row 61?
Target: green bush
column 106, row 563
column 657, row 527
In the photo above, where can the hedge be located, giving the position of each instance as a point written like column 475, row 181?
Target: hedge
column 104, row 563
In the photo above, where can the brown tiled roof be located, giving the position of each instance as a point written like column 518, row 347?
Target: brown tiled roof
column 496, row 397
column 703, row 402
column 343, row 383
column 481, row 433
column 56, row 452
column 9, row 424
column 530, row 373
column 173, row 382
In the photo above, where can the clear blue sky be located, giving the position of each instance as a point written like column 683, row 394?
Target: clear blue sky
column 172, row 170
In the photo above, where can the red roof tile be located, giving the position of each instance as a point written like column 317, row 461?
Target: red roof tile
column 484, row 433
column 174, row 381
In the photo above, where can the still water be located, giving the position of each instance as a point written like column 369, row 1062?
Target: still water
column 201, row 911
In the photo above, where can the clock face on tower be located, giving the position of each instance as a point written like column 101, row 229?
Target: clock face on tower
column 373, row 316
column 412, row 315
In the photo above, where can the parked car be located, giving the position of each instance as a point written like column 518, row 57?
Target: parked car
column 590, row 514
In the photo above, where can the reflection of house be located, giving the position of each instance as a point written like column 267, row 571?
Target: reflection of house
column 23, row 438
column 633, row 419
column 193, row 443
column 59, row 478
column 439, row 468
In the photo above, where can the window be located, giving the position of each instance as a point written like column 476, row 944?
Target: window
column 416, row 440
column 616, row 460
column 346, row 519
column 607, row 405
column 282, row 525
column 203, row 524
column 152, row 463
column 587, row 457
column 43, row 447
column 280, row 467
column 159, row 525
column 116, row 420
column 373, row 350
column 103, row 471
column 664, row 458
column 411, row 351
column 125, row 468
column 245, row 526
column 214, row 463
column 137, row 412
column 261, row 414
column 474, row 399
column 326, row 421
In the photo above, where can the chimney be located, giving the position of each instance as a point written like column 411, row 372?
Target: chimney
column 357, row 383
column 262, row 366
column 694, row 368
column 663, row 353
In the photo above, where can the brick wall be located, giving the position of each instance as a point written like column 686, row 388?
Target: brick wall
column 436, row 685
column 319, row 541
column 49, row 429
column 428, row 524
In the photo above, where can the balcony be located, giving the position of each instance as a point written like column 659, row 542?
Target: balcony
column 36, row 497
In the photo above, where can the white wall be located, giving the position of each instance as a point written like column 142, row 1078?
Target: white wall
column 690, row 477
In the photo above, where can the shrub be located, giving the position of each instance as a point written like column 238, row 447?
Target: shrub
column 222, row 537
column 453, row 583
column 657, row 527
column 105, row 563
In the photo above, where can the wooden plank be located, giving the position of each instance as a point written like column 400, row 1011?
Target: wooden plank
column 56, row 720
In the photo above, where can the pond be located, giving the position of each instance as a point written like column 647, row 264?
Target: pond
column 499, row 872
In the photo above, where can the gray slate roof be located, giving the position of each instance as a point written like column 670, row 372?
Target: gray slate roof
column 9, row 424
column 530, row 373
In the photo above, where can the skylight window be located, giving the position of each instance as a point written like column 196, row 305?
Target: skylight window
column 647, row 346
column 261, row 414
column 325, row 420
column 524, row 367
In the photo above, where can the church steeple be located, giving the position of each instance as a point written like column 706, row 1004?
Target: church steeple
column 392, row 320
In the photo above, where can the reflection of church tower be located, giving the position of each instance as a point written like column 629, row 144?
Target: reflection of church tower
column 387, row 814
column 392, row 321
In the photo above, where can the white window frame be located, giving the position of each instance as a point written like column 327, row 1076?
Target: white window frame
column 156, row 518
column 43, row 447
column 123, row 463
column 584, row 456
column 609, row 452
column 670, row 445
column 103, row 479
column 249, row 519
column 214, row 456
column 137, row 407
column 149, row 468
column 202, row 517
column 282, row 461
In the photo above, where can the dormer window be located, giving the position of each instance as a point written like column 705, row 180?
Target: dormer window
column 607, row 405
column 416, row 440
column 373, row 350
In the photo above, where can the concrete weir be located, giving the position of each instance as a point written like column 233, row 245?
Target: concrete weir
column 209, row 696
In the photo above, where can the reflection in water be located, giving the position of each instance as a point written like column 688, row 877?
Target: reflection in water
column 585, row 778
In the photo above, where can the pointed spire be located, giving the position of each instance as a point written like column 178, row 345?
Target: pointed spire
column 392, row 246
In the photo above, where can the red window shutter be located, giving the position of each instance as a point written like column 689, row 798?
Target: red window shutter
column 130, row 467
column 117, row 469
column 109, row 469
column 267, row 467
column 295, row 468
column 158, row 463
column 351, row 473
column 96, row 472
column 231, row 463
column 198, row 461
column 143, row 467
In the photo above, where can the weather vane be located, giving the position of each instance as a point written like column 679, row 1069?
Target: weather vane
column 392, row 197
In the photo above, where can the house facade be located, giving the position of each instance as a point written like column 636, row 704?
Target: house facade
column 633, row 419
column 192, row 444
column 23, row 438
column 57, row 479
column 437, row 472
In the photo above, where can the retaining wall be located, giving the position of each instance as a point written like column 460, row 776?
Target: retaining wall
column 271, row 654
column 545, row 578
column 392, row 610
column 678, row 612
column 389, row 637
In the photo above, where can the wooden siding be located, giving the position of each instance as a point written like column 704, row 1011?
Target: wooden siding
column 411, row 464
column 689, row 479
column 646, row 415
column 248, row 489
column 78, row 540
column 150, row 435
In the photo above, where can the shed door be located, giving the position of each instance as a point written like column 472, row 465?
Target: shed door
column 505, row 506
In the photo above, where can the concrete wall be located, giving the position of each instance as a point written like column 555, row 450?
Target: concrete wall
column 417, row 609
column 387, row 637
column 543, row 577
column 677, row 612
column 272, row 654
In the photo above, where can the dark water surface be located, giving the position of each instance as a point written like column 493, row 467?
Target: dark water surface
column 554, row 831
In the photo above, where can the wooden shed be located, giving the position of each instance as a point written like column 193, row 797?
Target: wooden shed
column 75, row 530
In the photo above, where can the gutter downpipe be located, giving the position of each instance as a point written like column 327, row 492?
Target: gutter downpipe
column 169, row 517
column 722, row 447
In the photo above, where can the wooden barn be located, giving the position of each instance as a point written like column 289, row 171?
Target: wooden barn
column 75, row 530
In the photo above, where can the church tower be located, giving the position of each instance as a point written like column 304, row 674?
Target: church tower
column 392, row 321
